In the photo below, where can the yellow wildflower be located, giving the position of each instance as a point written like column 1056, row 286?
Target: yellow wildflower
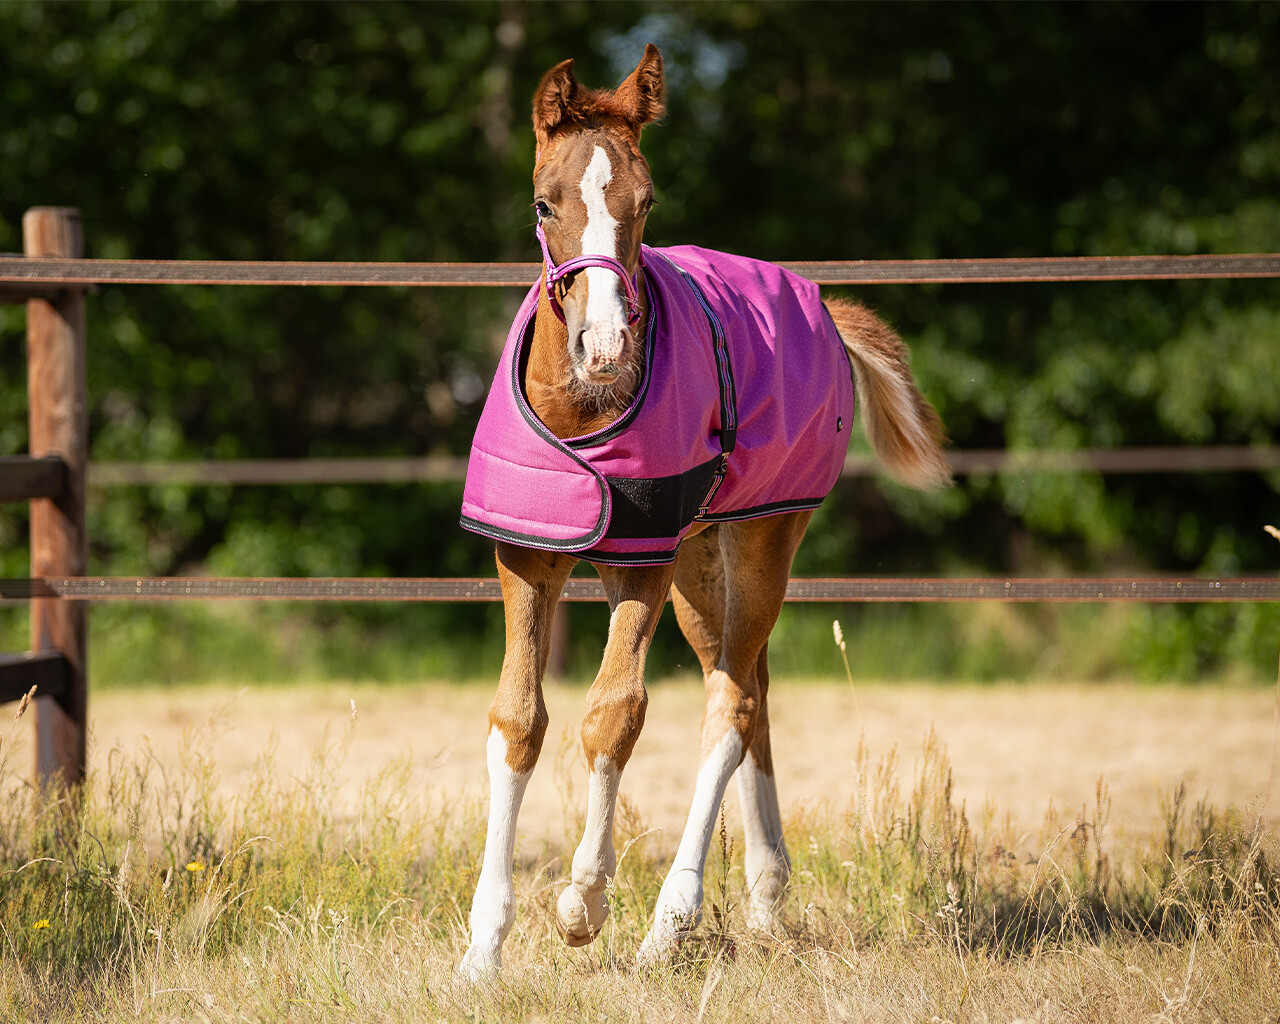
column 42, row 923
column 195, row 867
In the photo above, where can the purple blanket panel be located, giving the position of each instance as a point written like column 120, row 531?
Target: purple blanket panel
column 743, row 410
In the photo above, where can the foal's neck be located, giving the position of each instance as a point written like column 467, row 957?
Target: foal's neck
column 565, row 406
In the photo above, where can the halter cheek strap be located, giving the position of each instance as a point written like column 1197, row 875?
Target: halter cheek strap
column 554, row 274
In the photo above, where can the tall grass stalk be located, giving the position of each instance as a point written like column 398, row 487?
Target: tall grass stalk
column 838, row 633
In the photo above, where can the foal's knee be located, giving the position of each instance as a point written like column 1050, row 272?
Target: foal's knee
column 611, row 724
column 523, row 730
column 731, row 704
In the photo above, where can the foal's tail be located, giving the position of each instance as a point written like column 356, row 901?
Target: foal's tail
column 904, row 429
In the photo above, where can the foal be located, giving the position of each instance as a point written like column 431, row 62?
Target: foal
column 672, row 416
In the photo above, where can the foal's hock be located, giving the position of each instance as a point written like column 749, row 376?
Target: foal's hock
column 672, row 416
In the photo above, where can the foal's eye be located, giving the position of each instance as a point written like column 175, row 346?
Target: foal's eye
column 542, row 210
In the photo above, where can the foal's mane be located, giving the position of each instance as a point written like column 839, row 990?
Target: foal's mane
column 561, row 106
column 592, row 108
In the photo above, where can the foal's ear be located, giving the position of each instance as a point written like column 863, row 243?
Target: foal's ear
column 553, row 99
column 640, row 97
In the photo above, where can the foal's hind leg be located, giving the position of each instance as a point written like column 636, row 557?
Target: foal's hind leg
column 531, row 585
column 757, row 561
column 611, row 725
column 767, row 865
column 699, row 599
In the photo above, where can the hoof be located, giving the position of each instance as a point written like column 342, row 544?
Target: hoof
column 663, row 942
column 477, row 965
column 653, row 953
column 578, row 918
column 672, row 924
column 764, row 919
column 572, row 940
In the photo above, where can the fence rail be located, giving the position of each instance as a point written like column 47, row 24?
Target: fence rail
column 449, row 468
column 818, row 589
column 23, row 273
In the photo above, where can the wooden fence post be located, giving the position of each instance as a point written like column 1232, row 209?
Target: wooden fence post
column 57, row 395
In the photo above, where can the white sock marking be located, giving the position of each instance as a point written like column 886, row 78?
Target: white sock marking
column 680, row 901
column 583, row 906
column 594, row 861
column 767, row 865
column 493, row 910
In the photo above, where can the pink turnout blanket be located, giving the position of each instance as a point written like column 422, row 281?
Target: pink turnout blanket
column 743, row 411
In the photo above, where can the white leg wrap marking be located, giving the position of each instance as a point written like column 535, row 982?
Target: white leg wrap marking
column 584, row 906
column 680, row 901
column 767, row 864
column 493, row 910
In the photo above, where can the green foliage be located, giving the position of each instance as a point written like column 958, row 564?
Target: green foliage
column 998, row 642
column 190, row 642
column 398, row 132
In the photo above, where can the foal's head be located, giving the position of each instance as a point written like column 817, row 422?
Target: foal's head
column 592, row 192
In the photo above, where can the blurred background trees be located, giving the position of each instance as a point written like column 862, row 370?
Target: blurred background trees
column 399, row 131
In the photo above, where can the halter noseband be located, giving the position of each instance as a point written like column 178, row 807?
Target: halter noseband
column 555, row 274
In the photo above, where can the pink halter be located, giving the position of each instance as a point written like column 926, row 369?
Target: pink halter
column 571, row 266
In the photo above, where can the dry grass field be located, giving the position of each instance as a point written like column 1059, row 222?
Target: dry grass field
column 308, row 853
column 1019, row 748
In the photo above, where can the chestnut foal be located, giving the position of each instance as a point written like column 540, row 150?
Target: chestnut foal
column 583, row 368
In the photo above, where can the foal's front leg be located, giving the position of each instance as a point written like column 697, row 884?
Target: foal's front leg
column 531, row 585
column 611, row 725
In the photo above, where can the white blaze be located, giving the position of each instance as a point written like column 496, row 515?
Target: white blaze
column 601, row 235
column 605, row 319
